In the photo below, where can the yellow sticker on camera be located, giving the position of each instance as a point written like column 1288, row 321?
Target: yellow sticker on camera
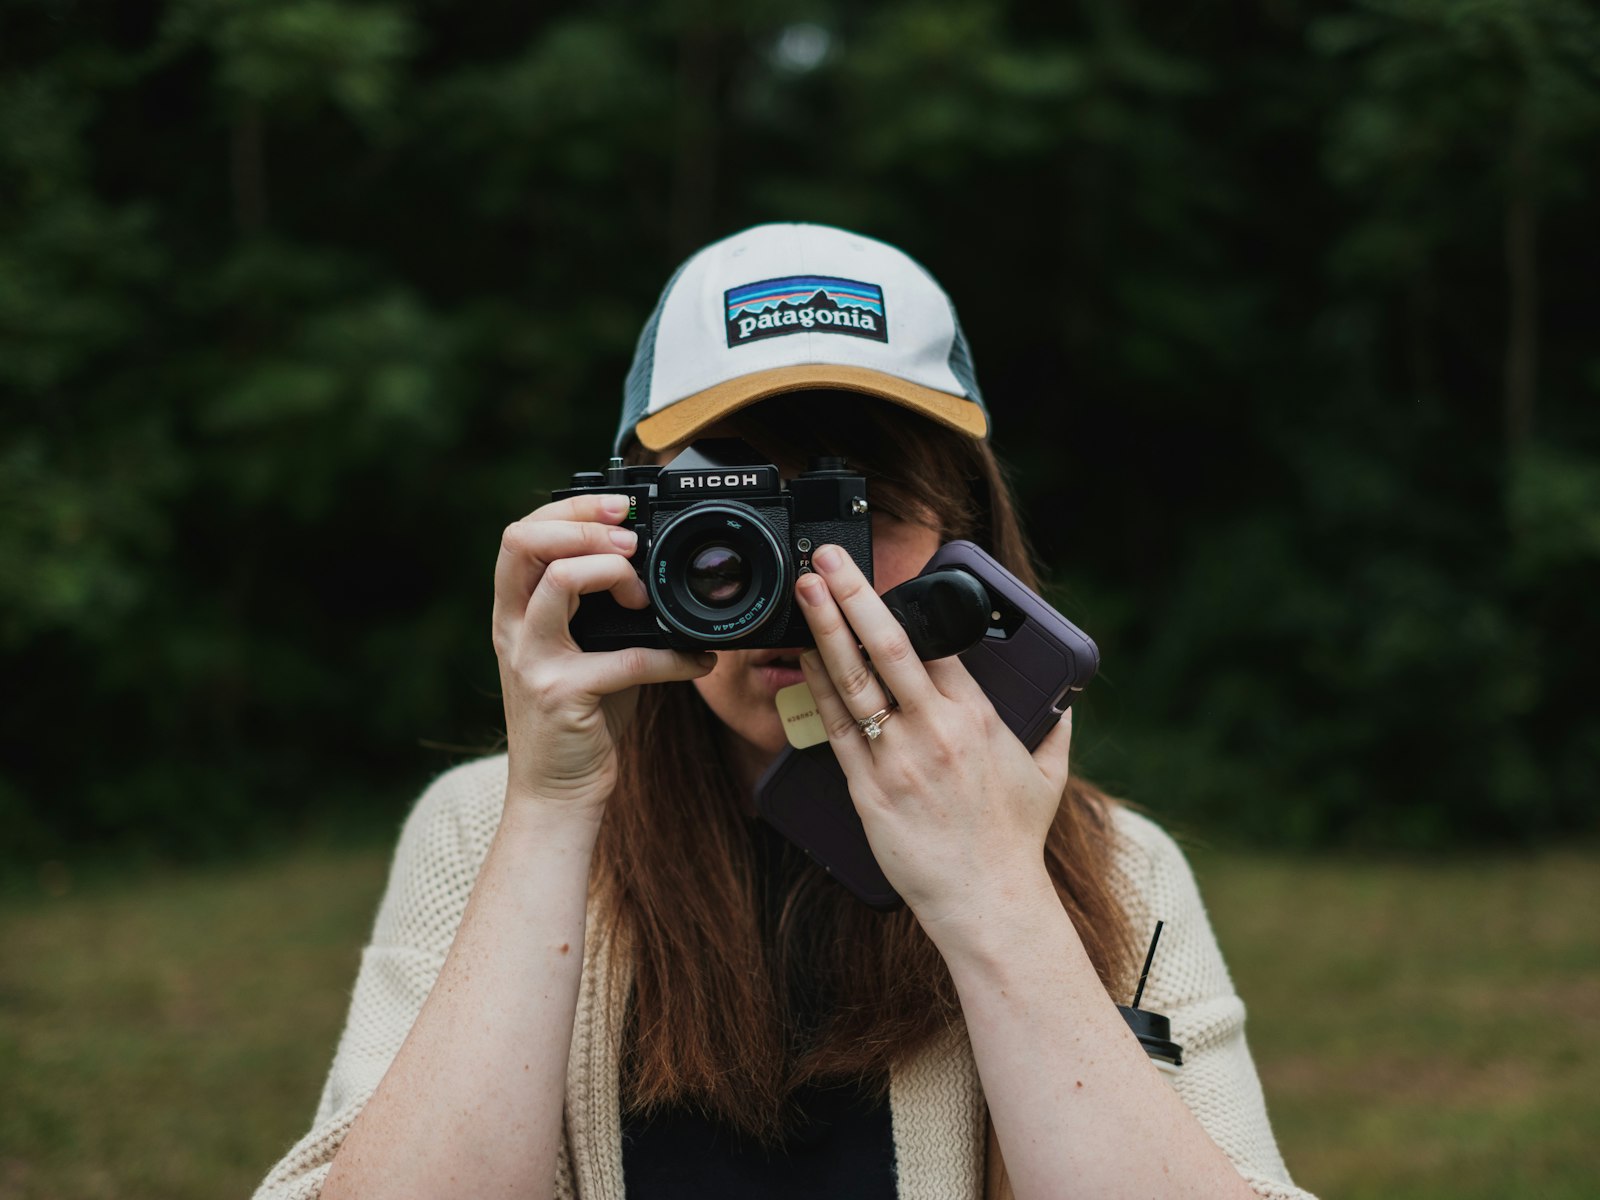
column 801, row 724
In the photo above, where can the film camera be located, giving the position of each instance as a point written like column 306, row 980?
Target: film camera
column 722, row 540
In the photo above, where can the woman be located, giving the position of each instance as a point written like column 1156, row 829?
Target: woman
column 594, row 971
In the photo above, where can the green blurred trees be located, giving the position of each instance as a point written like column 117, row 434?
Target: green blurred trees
column 1285, row 312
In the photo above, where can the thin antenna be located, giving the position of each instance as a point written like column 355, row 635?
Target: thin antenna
column 1145, row 974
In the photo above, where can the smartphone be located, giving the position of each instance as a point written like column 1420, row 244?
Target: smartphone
column 1031, row 663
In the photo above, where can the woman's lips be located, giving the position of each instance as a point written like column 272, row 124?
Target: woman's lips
column 777, row 673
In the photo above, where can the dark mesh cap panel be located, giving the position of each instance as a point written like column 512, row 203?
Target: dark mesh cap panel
column 636, row 388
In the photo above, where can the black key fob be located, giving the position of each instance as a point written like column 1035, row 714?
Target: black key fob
column 944, row 612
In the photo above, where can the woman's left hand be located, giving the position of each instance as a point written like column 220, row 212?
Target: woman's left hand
column 955, row 808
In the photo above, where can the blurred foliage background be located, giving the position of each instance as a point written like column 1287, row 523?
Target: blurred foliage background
column 1286, row 311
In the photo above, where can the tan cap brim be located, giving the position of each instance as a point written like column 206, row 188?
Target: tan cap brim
column 684, row 418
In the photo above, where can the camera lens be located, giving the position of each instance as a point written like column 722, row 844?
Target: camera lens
column 718, row 571
column 717, row 576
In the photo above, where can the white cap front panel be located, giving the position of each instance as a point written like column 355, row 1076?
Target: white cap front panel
column 793, row 295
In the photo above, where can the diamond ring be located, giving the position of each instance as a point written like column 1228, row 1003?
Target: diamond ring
column 872, row 726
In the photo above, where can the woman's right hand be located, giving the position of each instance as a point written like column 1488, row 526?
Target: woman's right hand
column 566, row 709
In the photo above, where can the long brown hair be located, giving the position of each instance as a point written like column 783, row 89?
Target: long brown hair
column 719, row 970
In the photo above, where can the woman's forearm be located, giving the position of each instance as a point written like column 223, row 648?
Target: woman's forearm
column 1073, row 1097
column 471, row 1105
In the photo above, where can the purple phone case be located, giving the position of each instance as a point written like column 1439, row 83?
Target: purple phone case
column 1030, row 676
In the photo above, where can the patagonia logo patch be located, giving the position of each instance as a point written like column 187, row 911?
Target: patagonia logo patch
column 804, row 304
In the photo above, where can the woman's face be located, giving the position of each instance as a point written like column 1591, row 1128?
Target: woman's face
column 740, row 690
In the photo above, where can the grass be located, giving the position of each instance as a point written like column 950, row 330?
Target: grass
column 168, row 1039
column 1422, row 1031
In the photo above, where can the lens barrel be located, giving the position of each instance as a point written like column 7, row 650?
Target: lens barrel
column 717, row 572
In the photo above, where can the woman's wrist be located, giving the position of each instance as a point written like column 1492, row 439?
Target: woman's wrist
column 987, row 923
column 554, row 821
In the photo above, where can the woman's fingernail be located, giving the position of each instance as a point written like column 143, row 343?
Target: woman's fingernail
column 829, row 557
column 624, row 539
column 615, row 506
column 810, row 658
column 811, row 589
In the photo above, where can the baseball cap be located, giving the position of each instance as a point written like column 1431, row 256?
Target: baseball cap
column 791, row 307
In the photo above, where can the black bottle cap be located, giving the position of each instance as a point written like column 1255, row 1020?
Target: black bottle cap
column 1154, row 1032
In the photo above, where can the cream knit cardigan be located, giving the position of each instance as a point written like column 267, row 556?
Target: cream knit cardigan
column 937, row 1105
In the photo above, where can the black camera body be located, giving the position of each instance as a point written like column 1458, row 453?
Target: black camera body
column 722, row 540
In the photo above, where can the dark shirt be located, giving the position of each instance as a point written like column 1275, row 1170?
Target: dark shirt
column 840, row 1144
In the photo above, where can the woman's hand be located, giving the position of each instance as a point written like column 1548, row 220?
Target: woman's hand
column 566, row 708
column 955, row 808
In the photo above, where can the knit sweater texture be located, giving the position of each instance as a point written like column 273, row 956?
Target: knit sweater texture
column 936, row 1100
